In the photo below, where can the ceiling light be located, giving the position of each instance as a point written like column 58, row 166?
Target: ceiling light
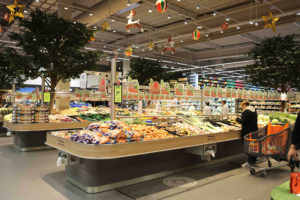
column 150, row 10
column 74, row 22
column 95, row 27
column 256, row 24
column 199, row 27
column 198, row 7
column 91, row 14
column 214, row 14
column 37, row 1
column 221, row 31
column 114, row 31
column 143, row 50
column 298, row 13
column 66, row 8
column 128, row 3
column 251, row 22
column 25, row 11
column 113, row 20
column 227, row 19
column 181, row 41
column 206, row 35
column 169, row 16
column 238, row 28
column 178, row 0
column 186, row 22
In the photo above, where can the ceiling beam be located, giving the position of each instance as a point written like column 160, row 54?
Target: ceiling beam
column 251, row 37
column 211, row 44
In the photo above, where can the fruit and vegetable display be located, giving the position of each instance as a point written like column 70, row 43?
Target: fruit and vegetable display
column 109, row 132
column 5, row 111
column 276, row 118
column 151, row 132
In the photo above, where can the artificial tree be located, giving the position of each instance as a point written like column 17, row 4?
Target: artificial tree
column 10, row 74
column 54, row 48
column 143, row 70
column 276, row 64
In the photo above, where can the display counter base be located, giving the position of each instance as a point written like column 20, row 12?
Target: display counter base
column 3, row 130
column 30, row 141
column 93, row 176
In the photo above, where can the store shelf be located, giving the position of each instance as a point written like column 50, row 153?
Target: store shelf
column 45, row 126
column 112, row 151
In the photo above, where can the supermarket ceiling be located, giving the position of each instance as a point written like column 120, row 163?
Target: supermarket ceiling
column 215, row 52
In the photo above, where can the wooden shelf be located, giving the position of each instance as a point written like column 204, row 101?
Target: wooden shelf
column 112, row 151
column 45, row 126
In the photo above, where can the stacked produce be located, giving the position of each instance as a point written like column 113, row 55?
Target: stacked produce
column 5, row 111
column 60, row 118
column 27, row 114
column 151, row 132
column 276, row 118
column 109, row 132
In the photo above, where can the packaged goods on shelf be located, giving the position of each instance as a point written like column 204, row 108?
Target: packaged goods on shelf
column 28, row 114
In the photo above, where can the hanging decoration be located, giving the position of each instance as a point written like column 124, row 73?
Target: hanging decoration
column 150, row 46
column 6, row 16
column 224, row 26
column 1, row 29
column 93, row 37
column 133, row 24
column 128, row 51
column 271, row 24
column 16, row 10
column 105, row 26
column 196, row 35
column 170, row 46
column 161, row 5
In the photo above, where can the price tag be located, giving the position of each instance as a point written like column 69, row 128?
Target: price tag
column 118, row 93
column 47, row 97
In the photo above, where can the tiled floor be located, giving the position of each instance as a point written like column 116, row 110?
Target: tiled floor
column 35, row 176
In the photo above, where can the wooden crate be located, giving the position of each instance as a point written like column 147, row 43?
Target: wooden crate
column 111, row 151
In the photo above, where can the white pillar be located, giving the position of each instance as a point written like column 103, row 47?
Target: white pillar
column 126, row 67
column 113, row 80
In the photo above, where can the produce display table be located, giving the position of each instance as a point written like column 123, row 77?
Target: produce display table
column 282, row 192
column 30, row 137
column 96, row 168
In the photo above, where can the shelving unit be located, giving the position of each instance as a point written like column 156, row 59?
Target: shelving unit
column 261, row 105
column 216, row 104
column 295, row 107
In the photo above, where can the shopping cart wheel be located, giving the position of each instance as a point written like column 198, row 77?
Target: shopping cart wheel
column 252, row 171
column 264, row 174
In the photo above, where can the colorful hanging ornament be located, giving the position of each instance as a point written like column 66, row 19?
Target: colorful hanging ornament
column 224, row 26
column 6, row 16
column 271, row 24
column 161, row 5
column 105, row 26
column 196, row 35
column 16, row 10
column 133, row 24
column 93, row 37
column 170, row 46
column 151, row 46
column 128, row 51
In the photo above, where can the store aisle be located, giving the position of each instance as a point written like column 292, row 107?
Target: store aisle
column 35, row 176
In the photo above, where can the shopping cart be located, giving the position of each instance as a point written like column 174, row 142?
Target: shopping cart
column 270, row 142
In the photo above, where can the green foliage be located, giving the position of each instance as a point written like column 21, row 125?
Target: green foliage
column 54, row 47
column 143, row 70
column 276, row 63
column 10, row 74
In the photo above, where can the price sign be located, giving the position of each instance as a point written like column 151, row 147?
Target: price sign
column 47, row 97
column 118, row 93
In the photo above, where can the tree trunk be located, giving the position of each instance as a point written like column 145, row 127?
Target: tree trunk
column 283, row 106
column 52, row 97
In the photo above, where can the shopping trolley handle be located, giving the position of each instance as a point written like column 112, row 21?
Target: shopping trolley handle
column 293, row 164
